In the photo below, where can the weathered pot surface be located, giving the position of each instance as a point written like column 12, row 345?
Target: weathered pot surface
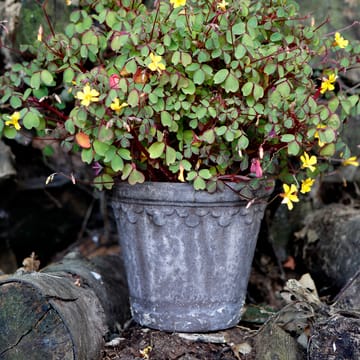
column 187, row 254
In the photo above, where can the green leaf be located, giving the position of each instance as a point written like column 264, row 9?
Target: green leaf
column 136, row 177
column 333, row 104
column 31, row 120
column 166, row 118
column 284, row 89
column 79, row 117
column 193, row 67
column 131, row 66
column 247, row 88
column 156, row 150
column 46, row 78
column 89, row 38
column 276, row 37
column 124, row 153
column 186, row 59
column 117, row 163
column 170, row 155
column 205, row 174
column 189, row 89
column 258, row 92
column 87, row 155
column 123, row 85
column 328, row 150
column 208, row 136
column 287, row 138
column 220, row 130
column 353, row 99
column 68, row 75
column 15, row 102
column 118, row 42
column 247, row 41
column 243, row 142
column 293, row 148
column 41, row 92
column 126, row 171
column 220, row 76
column 270, row 68
column 191, row 175
column 324, row 113
column 240, row 51
column 199, row 183
column 231, row 83
column 69, row 126
column 203, row 56
column 35, row 80
column 175, row 59
column 133, row 98
column 238, row 28
column 111, row 18
column 84, row 52
column 199, row 77
column 110, row 153
column 10, row 132
column 334, row 121
column 327, row 136
column 105, row 134
column 100, row 147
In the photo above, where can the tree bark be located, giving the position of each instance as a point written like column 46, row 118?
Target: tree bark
column 64, row 311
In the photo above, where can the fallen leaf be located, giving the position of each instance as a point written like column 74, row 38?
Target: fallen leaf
column 31, row 263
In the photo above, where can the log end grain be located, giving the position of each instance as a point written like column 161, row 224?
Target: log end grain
column 30, row 328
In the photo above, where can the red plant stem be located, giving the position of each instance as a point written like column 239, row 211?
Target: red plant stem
column 48, row 107
column 156, row 15
column 43, row 6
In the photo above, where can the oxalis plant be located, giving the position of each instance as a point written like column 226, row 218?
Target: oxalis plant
column 204, row 92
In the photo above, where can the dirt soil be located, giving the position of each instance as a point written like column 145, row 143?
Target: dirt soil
column 141, row 343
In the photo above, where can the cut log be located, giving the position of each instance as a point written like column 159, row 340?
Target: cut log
column 327, row 245
column 348, row 298
column 337, row 337
column 64, row 311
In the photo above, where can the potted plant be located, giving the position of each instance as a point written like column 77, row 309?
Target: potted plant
column 201, row 102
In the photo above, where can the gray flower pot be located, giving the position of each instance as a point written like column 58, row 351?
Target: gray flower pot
column 187, row 254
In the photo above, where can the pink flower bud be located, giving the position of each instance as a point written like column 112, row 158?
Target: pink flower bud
column 114, row 81
column 256, row 168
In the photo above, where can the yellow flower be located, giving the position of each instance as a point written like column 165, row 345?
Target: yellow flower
column 306, row 185
column 87, row 96
column 351, row 161
column 222, row 5
column 156, row 63
column 316, row 135
column 308, row 162
column 289, row 195
column 340, row 41
column 116, row 106
column 14, row 120
column 177, row 3
column 68, row 2
column 327, row 84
